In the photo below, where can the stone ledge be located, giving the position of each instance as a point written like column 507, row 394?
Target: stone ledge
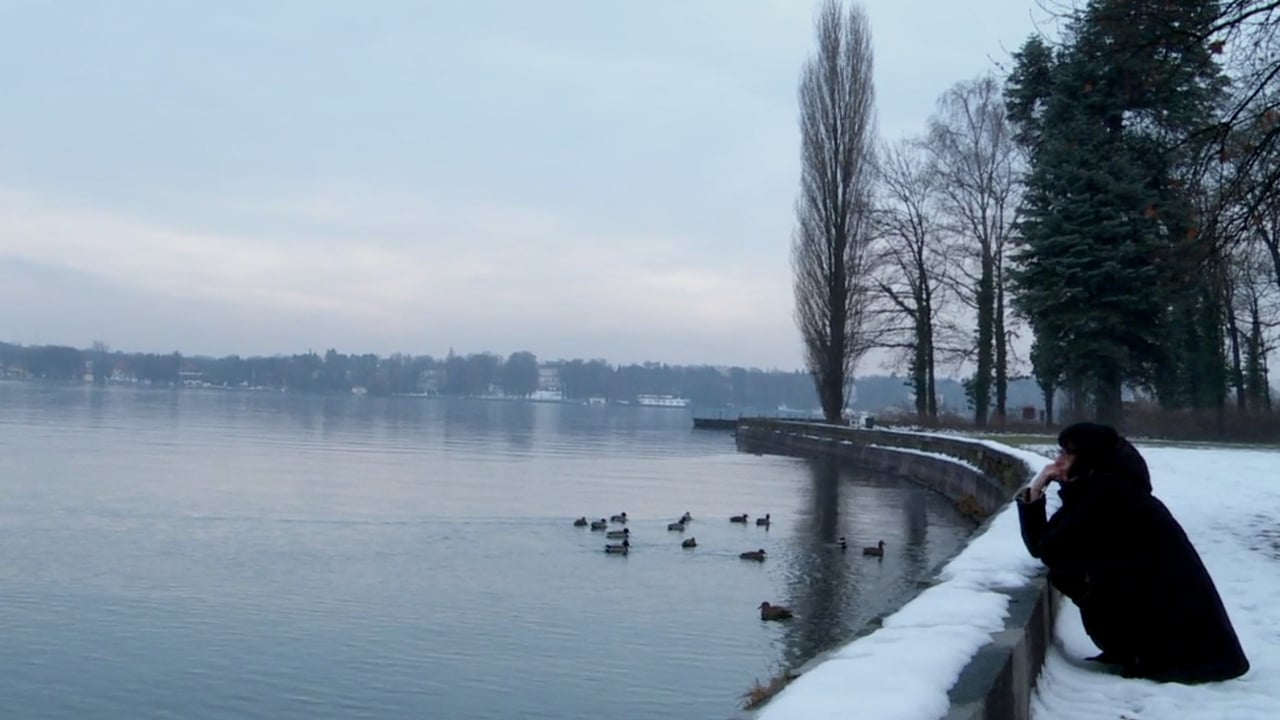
column 998, row 681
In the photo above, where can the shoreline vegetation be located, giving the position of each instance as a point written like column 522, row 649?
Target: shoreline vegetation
column 722, row 392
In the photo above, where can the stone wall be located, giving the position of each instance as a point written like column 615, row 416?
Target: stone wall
column 998, row 681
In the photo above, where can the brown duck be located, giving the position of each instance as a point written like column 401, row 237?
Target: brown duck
column 774, row 612
column 876, row 550
column 757, row 555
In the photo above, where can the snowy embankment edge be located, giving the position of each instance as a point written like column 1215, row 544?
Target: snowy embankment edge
column 953, row 649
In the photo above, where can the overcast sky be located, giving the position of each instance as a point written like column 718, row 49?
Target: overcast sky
column 578, row 179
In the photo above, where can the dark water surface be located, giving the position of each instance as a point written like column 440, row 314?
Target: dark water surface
column 220, row 555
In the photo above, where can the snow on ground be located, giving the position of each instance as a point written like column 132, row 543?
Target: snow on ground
column 1227, row 500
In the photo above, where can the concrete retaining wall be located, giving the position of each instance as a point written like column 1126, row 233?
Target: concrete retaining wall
column 998, row 681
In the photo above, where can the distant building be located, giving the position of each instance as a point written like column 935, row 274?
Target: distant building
column 122, row 374
column 12, row 372
column 191, row 378
column 549, row 378
column 429, row 381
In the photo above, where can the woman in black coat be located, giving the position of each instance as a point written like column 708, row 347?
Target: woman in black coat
column 1145, row 597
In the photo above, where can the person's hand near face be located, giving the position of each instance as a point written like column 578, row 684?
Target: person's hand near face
column 1057, row 470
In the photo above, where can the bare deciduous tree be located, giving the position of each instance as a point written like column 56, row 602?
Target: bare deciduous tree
column 973, row 149
column 1252, row 316
column 912, row 260
column 1247, row 34
column 830, row 253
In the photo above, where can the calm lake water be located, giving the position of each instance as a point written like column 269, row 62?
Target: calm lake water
column 232, row 555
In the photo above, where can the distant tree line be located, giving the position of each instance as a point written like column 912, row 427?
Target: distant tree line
column 728, row 390
column 475, row 374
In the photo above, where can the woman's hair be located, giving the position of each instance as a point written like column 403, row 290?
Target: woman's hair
column 1100, row 449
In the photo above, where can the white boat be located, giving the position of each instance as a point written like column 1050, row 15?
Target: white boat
column 547, row 396
column 666, row 401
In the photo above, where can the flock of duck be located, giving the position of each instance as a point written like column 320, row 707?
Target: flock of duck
column 767, row 610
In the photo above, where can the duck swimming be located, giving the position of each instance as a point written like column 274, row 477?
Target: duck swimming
column 739, row 518
column 619, row 534
column 876, row 550
column 676, row 526
column 619, row 518
column 618, row 549
column 774, row 612
column 757, row 555
column 763, row 522
column 580, row 522
column 600, row 524
column 689, row 543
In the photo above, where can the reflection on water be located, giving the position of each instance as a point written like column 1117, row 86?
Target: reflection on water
column 223, row 555
column 821, row 576
column 837, row 592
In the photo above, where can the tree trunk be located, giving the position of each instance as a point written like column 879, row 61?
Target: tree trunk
column 1233, row 336
column 920, row 384
column 1002, row 354
column 1049, row 392
column 1273, row 248
column 1077, row 400
column 920, row 366
column 933, row 387
column 986, row 312
column 1256, row 386
column 1109, row 398
column 834, row 380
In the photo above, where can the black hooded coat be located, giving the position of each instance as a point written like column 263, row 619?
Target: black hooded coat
column 1145, row 597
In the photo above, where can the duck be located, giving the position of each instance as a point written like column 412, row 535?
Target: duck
column 876, row 550
column 844, row 544
column 757, row 555
column 686, row 517
column 624, row 533
column 618, row 549
column 619, row 518
column 739, row 518
column 774, row 612
column 689, row 543
column 676, row 526
column 600, row 524
column 763, row 522
column 580, row 522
